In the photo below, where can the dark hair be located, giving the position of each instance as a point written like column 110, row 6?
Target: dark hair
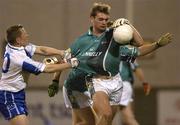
column 13, row 32
column 100, row 7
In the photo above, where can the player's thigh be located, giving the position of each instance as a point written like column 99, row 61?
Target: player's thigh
column 101, row 103
column 83, row 116
column 19, row 120
column 127, row 111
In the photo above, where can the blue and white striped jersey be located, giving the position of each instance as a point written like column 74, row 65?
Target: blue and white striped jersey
column 17, row 66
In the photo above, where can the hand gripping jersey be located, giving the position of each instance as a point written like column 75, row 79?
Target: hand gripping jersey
column 17, row 63
column 101, row 55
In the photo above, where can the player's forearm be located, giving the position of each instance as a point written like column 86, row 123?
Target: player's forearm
column 57, row 75
column 147, row 48
column 49, row 51
column 56, row 67
column 140, row 75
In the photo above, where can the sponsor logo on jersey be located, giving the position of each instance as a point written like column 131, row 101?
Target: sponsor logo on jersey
column 92, row 54
column 104, row 42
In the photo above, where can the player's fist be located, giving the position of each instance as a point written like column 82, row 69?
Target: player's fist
column 50, row 60
column 147, row 88
column 119, row 22
column 164, row 40
column 53, row 88
column 74, row 62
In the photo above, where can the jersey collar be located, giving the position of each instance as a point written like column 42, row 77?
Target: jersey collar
column 90, row 31
column 15, row 48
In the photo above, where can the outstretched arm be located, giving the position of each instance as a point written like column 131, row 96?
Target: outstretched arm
column 52, row 67
column 48, row 51
column 148, row 48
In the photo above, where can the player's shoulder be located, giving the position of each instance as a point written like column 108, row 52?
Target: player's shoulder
column 30, row 46
column 82, row 36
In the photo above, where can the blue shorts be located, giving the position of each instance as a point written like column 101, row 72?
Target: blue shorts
column 12, row 104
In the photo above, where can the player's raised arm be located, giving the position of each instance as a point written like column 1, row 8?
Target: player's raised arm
column 148, row 48
column 137, row 38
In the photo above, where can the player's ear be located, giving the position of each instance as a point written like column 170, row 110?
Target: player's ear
column 92, row 19
column 18, row 40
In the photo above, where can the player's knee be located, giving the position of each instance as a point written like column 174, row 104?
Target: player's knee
column 107, row 115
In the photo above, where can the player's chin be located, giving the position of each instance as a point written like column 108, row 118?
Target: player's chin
column 103, row 29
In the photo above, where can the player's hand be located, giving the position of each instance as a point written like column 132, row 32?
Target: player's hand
column 67, row 55
column 110, row 24
column 164, row 40
column 74, row 62
column 53, row 88
column 119, row 22
column 147, row 88
column 50, row 60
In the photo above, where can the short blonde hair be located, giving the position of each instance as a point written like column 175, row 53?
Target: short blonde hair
column 13, row 32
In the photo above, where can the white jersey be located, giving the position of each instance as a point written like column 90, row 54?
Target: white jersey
column 16, row 67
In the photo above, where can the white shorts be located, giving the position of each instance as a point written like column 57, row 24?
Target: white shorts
column 76, row 99
column 126, row 94
column 112, row 87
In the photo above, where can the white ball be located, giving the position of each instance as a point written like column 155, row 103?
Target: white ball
column 123, row 34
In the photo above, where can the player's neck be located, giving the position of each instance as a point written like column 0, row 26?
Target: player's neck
column 16, row 45
column 97, row 32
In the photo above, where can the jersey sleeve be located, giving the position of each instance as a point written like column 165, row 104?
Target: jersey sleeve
column 30, row 49
column 128, row 53
column 29, row 65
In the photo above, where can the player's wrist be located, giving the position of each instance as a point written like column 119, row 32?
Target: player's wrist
column 144, row 83
column 55, row 81
column 157, row 44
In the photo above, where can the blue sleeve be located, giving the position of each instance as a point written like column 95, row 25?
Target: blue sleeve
column 32, row 66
